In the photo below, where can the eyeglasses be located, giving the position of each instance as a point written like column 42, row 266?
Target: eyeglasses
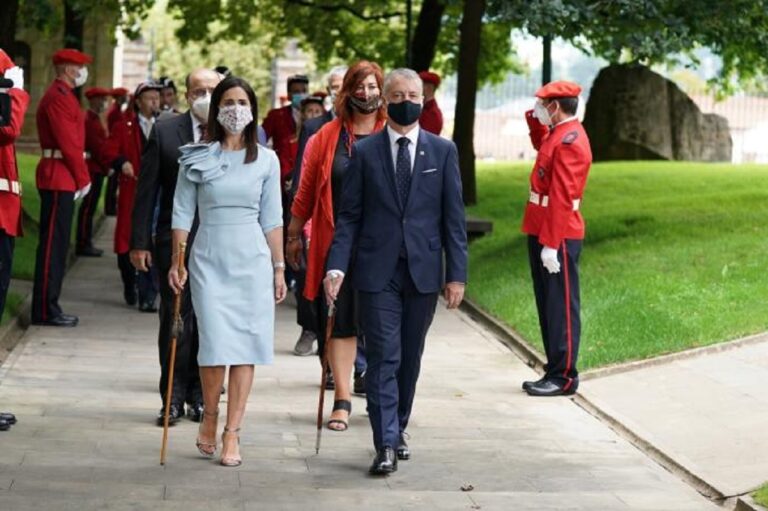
column 199, row 93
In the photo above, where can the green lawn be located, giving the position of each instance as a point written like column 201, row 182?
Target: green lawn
column 761, row 495
column 24, row 253
column 674, row 256
column 12, row 303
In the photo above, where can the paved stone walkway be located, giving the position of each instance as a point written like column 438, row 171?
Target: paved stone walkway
column 708, row 412
column 86, row 440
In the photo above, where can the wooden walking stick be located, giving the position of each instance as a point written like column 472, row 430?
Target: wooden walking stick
column 324, row 377
column 176, row 330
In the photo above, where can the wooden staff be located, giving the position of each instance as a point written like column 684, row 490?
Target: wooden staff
column 324, row 377
column 176, row 331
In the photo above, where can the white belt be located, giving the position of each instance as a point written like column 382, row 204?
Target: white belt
column 56, row 154
column 10, row 186
column 543, row 200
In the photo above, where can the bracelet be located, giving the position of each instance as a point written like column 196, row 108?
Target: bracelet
column 280, row 265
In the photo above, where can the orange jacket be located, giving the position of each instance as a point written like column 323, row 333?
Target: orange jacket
column 10, row 202
column 560, row 173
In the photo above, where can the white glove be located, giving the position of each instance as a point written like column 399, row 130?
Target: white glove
column 549, row 259
column 16, row 75
column 82, row 192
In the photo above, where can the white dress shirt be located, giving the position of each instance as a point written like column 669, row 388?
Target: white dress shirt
column 394, row 136
column 146, row 125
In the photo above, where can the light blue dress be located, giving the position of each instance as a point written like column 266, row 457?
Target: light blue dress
column 230, row 265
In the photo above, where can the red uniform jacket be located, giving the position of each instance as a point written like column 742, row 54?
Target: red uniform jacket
column 280, row 126
column 559, row 174
column 95, row 138
column 115, row 115
column 10, row 200
column 61, row 125
column 125, row 143
column 431, row 117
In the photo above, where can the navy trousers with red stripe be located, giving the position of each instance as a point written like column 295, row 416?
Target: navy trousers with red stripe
column 56, row 210
column 558, row 304
column 6, row 262
column 87, row 211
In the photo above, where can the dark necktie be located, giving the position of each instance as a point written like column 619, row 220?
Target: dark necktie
column 203, row 132
column 403, row 170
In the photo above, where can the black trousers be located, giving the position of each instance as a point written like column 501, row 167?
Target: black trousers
column 6, row 261
column 56, row 210
column 110, row 195
column 87, row 211
column 145, row 282
column 186, row 378
column 395, row 322
column 559, row 307
column 306, row 310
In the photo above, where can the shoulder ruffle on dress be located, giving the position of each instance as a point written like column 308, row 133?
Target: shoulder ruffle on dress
column 202, row 163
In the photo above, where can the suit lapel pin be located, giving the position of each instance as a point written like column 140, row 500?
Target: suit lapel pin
column 421, row 153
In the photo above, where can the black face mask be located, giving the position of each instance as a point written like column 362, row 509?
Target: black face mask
column 404, row 113
column 365, row 106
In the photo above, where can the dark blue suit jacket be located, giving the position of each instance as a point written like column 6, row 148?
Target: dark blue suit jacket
column 372, row 221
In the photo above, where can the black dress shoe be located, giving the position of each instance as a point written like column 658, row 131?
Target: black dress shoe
column 148, row 306
column 549, row 388
column 60, row 320
column 8, row 417
column 384, row 463
column 89, row 252
column 403, row 451
column 174, row 415
column 529, row 384
column 359, row 384
column 130, row 296
column 4, row 425
column 195, row 412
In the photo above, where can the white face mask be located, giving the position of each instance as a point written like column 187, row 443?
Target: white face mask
column 82, row 77
column 234, row 118
column 542, row 114
column 200, row 107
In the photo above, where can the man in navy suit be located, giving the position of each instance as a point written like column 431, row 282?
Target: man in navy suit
column 401, row 211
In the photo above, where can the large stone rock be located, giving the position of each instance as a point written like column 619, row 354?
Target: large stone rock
column 636, row 114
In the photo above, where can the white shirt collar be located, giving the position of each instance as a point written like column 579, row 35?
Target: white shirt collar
column 412, row 135
column 569, row 119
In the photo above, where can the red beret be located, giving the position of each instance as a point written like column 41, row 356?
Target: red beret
column 71, row 56
column 559, row 89
column 119, row 91
column 5, row 62
column 430, row 77
column 96, row 92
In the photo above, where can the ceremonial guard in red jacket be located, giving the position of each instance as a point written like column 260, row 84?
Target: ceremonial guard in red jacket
column 555, row 230
column 431, row 116
column 123, row 154
column 62, row 178
column 281, row 125
column 95, row 137
column 117, row 112
column 10, row 188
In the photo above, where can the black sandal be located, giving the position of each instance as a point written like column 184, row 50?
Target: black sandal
column 341, row 404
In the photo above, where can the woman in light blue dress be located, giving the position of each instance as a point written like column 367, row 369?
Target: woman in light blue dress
column 236, row 262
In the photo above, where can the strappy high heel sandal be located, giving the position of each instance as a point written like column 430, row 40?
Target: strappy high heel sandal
column 230, row 461
column 206, row 449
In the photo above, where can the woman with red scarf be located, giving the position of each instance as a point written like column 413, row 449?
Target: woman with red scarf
column 360, row 112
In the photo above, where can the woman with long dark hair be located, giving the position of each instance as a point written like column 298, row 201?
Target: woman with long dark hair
column 360, row 112
column 236, row 262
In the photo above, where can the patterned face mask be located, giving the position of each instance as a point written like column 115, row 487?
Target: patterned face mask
column 234, row 118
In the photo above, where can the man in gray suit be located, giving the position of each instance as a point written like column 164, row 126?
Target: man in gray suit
column 157, row 180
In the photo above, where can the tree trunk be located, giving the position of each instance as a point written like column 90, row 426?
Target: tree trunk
column 464, row 120
column 425, row 37
column 73, row 26
column 8, row 12
column 546, row 64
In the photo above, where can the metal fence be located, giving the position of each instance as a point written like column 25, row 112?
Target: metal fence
column 501, row 132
